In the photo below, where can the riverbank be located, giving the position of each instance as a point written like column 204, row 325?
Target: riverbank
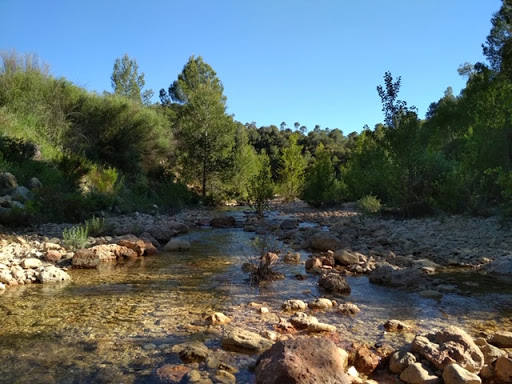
column 138, row 311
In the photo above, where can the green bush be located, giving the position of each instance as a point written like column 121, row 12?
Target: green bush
column 95, row 226
column 369, row 204
column 76, row 237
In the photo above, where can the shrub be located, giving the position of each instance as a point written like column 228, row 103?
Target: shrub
column 95, row 226
column 369, row 204
column 76, row 237
column 261, row 188
column 100, row 180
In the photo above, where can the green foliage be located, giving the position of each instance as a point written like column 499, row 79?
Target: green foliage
column 95, row 226
column 100, row 180
column 76, row 236
column 369, row 204
column 126, row 80
column 261, row 188
column 205, row 133
column 292, row 174
column 498, row 45
column 245, row 165
column 321, row 185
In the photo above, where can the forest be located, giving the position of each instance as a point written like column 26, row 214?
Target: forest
column 121, row 151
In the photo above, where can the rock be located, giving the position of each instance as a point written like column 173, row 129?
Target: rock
column 224, row 377
column 417, row 374
column 99, row 254
column 7, row 183
column 191, row 352
column 223, row 222
column 171, row 373
column 31, row 262
column 395, row 326
column 34, row 183
column 455, row 374
column 289, row 224
column 490, row 352
column 7, row 278
column 320, row 304
column 217, row 318
column 314, row 264
column 502, row 339
column 53, row 256
column 239, row 339
column 345, row 257
column 164, row 231
column 294, row 305
column 292, row 258
column 348, row 309
column 177, row 245
column 450, row 345
column 52, row 274
column 148, row 238
column 392, row 276
column 324, row 241
column 334, row 283
column 365, row 360
column 21, row 194
column 137, row 245
column 302, row 321
column 503, row 369
column 400, row 360
column 501, row 266
column 303, row 361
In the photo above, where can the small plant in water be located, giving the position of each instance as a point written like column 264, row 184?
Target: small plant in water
column 369, row 204
column 76, row 237
column 260, row 267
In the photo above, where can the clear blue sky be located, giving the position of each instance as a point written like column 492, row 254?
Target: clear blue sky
column 315, row 62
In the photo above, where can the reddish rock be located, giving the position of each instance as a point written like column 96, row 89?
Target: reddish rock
column 365, row 360
column 106, row 253
column 303, row 360
column 136, row 245
column 171, row 374
column 53, row 256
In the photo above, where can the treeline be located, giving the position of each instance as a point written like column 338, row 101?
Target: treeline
column 118, row 151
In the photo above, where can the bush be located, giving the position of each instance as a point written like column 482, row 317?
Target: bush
column 261, row 188
column 95, row 226
column 76, row 237
column 369, row 204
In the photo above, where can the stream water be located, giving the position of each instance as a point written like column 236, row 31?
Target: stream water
column 118, row 324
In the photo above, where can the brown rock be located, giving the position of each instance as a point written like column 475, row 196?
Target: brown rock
column 502, row 339
column 106, row 253
column 303, row 361
column 223, row 222
column 503, row 370
column 365, row 360
column 334, row 283
column 136, row 245
column 171, row 374
column 455, row 374
column 53, row 256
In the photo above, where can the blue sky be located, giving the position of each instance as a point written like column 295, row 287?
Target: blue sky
column 315, row 62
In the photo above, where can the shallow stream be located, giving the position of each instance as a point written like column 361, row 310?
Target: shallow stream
column 119, row 324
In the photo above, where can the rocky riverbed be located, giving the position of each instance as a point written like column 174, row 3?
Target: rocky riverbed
column 165, row 299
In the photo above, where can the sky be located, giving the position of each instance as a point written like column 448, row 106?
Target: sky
column 307, row 61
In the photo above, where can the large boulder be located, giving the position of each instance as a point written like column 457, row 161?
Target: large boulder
column 334, row 283
column 52, row 274
column 7, row 183
column 303, row 361
column 447, row 346
column 223, row 222
column 238, row 339
column 324, row 241
column 99, row 254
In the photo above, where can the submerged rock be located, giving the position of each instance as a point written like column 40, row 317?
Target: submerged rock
column 395, row 326
column 223, row 222
column 191, row 352
column 177, row 244
column 172, row 373
column 239, row 339
column 303, row 361
column 348, row 309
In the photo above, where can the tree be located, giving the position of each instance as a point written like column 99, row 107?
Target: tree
column 261, row 188
column 245, row 164
column 204, row 132
column 392, row 107
column 292, row 173
column 498, row 46
column 127, row 82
